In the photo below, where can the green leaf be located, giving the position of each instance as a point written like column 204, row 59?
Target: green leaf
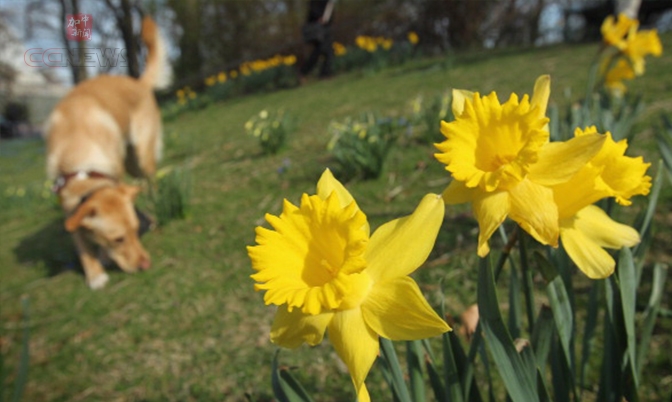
column 542, row 337
column 285, row 387
column 589, row 331
column 542, row 340
column 560, row 374
column 387, row 375
column 653, row 200
column 664, row 138
column 464, row 365
column 515, row 309
column 433, row 373
column 390, row 357
column 518, row 377
column 611, row 378
column 651, row 313
column 414, row 357
column 451, row 352
column 628, row 289
column 558, row 298
column 488, row 373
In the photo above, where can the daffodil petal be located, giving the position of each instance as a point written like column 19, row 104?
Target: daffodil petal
column 356, row 344
column 458, row 193
column 591, row 259
column 363, row 394
column 604, row 231
column 490, row 211
column 542, row 91
column 533, row 208
column 328, row 184
column 559, row 161
column 460, row 96
column 397, row 310
column 291, row 329
column 399, row 247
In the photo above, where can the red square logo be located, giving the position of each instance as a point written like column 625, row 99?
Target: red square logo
column 78, row 27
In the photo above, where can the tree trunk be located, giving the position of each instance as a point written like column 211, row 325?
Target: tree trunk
column 628, row 7
column 188, row 16
column 77, row 67
column 126, row 27
column 124, row 16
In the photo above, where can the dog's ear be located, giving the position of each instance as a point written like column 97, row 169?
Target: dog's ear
column 86, row 210
column 130, row 191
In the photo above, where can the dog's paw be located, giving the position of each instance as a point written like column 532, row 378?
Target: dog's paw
column 99, row 281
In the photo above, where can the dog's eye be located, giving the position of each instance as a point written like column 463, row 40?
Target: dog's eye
column 119, row 240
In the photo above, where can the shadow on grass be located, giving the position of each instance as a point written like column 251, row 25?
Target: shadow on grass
column 50, row 245
column 53, row 246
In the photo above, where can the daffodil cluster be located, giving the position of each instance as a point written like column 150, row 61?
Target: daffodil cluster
column 270, row 128
column 413, row 38
column 502, row 161
column 219, row 78
column 631, row 47
column 328, row 275
column 339, row 49
column 371, row 43
column 184, row 95
column 360, row 146
column 257, row 66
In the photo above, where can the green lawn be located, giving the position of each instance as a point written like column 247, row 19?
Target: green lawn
column 192, row 327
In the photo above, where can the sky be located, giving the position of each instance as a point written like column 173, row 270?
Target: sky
column 44, row 49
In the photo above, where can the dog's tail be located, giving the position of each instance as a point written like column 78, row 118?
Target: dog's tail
column 157, row 72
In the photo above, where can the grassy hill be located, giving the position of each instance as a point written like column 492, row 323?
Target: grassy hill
column 192, row 327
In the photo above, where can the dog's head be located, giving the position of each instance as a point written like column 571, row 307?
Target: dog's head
column 109, row 220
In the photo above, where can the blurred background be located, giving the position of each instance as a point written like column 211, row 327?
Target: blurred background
column 207, row 36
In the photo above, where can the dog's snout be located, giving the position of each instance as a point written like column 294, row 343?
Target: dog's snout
column 145, row 263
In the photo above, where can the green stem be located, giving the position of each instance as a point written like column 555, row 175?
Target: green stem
column 527, row 284
column 506, row 251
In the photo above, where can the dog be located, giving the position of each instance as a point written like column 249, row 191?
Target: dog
column 103, row 128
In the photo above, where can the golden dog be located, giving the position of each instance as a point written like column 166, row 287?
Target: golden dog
column 104, row 127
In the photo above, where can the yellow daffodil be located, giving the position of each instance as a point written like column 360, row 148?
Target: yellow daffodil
column 339, row 49
column 614, row 77
column 641, row 44
column 623, row 34
column 615, row 32
column 413, row 38
column 325, row 274
column 584, row 228
column 501, row 161
column 289, row 60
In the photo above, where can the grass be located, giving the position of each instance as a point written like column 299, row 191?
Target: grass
column 192, row 328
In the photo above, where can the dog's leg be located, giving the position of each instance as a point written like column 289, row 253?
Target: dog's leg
column 96, row 277
column 145, row 137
